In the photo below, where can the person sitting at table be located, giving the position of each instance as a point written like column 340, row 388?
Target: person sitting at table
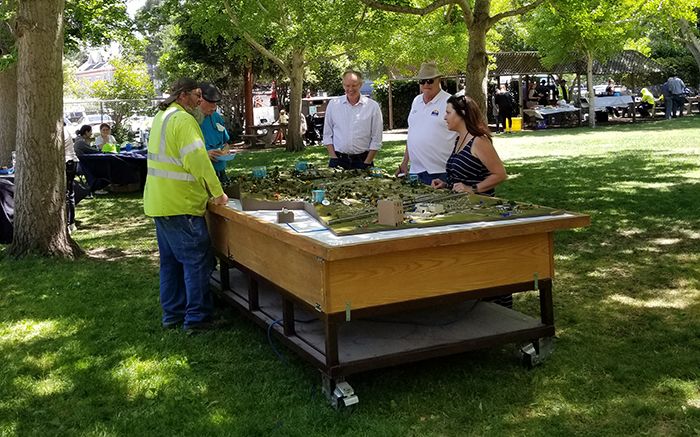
column 213, row 127
column 648, row 106
column 610, row 91
column 353, row 125
column 81, row 145
column 533, row 96
column 474, row 166
column 105, row 136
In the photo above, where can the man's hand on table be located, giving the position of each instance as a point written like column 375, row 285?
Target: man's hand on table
column 221, row 200
column 402, row 170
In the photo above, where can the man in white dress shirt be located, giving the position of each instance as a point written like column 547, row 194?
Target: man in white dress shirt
column 353, row 126
column 429, row 142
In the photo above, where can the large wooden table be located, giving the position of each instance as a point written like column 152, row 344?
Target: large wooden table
column 346, row 283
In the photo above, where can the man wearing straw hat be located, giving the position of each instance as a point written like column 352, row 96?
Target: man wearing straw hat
column 429, row 143
column 180, row 181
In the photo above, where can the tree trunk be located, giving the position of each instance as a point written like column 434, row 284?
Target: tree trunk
column 296, row 90
column 591, row 92
column 248, row 97
column 692, row 42
column 477, row 65
column 40, row 182
column 8, row 113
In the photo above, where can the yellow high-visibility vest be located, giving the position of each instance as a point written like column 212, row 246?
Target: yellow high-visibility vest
column 180, row 176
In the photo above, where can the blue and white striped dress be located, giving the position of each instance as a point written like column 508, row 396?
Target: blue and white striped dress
column 466, row 168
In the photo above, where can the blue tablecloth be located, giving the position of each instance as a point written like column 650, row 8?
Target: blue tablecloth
column 102, row 169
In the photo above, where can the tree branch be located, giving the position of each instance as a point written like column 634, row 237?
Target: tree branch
column 692, row 42
column 359, row 22
column 254, row 43
column 437, row 4
column 467, row 13
column 519, row 11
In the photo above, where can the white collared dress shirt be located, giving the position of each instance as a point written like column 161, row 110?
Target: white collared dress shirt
column 353, row 129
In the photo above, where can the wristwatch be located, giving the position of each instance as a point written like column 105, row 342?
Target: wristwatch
column 474, row 189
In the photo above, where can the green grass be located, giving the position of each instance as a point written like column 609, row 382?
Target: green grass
column 82, row 352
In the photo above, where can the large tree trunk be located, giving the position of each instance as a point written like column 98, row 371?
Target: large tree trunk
column 692, row 42
column 40, row 191
column 296, row 90
column 591, row 92
column 477, row 65
column 8, row 113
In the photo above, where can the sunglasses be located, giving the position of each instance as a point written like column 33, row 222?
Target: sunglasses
column 428, row 81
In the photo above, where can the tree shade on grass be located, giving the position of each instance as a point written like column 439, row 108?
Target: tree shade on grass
column 83, row 352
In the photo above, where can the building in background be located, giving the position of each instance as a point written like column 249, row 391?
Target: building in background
column 97, row 67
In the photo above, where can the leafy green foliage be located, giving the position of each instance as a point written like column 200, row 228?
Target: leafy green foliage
column 131, row 85
column 94, row 22
column 412, row 40
column 667, row 44
column 327, row 77
column 563, row 29
column 511, row 35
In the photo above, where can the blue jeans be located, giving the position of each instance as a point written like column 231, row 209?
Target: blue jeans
column 186, row 262
column 427, row 178
column 678, row 105
column 668, row 106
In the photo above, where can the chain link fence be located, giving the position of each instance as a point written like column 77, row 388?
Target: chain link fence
column 130, row 120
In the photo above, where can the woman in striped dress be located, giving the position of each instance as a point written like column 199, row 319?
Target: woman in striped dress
column 474, row 166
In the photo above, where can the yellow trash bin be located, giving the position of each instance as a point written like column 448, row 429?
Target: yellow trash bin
column 517, row 124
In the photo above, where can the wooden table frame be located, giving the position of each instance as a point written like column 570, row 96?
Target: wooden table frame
column 406, row 273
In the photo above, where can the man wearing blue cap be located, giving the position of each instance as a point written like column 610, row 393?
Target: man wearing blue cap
column 216, row 136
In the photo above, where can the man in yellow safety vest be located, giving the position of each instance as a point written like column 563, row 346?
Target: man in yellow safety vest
column 180, row 181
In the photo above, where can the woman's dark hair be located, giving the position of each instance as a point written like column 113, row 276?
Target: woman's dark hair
column 467, row 108
column 103, row 125
column 84, row 129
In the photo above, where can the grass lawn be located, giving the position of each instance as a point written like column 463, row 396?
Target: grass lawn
column 82, row 351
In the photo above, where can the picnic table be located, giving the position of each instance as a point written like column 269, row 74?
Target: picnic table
column 603, row 102
column 432, row 282
column 695, row 100
column 554, row 116
column 262, row 135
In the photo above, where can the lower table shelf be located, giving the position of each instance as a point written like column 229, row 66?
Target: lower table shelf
column 387, row 340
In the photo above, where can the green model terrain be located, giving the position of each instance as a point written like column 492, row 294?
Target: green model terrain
column 351, row 197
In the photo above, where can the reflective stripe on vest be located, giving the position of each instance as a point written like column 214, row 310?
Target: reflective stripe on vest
column 175, row 175
column 190, row 148
column 161, row 156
